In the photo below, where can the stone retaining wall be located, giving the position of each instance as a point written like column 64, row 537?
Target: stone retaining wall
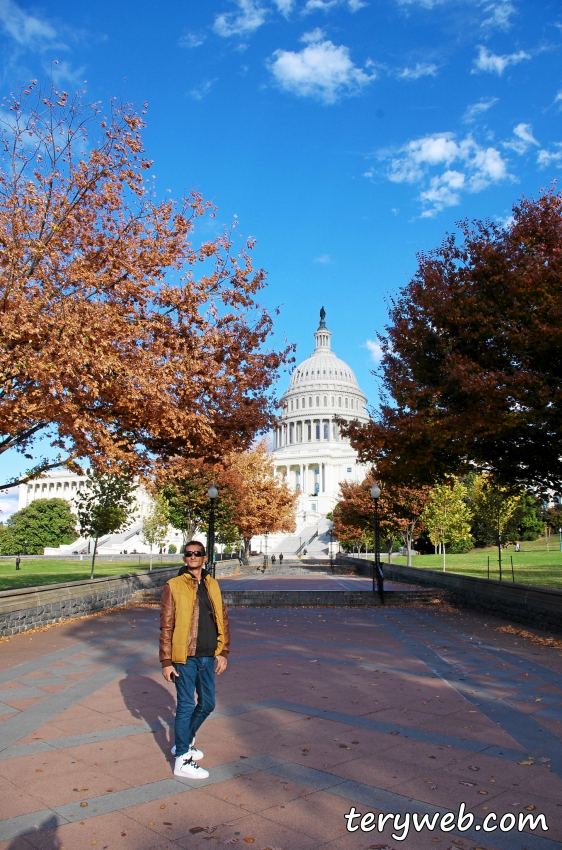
column 30, row 607
column 317, row 598
column 540, row 607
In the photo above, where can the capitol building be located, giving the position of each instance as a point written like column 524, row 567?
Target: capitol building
column 309, row 450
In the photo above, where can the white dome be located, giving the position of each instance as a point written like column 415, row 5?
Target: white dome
column 320, row 367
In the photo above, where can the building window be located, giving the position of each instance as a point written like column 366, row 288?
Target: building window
column 332, row 402
column 303, row 403
column 325, row 401
column 346, row 404
column 339, row 401
column 349, row 469
column 318, row 431
column 309, row 431
column 297, row 403
column 313, row 507
column 291, row 433
column 310, row 401
column 326, row 426
column 291, row 404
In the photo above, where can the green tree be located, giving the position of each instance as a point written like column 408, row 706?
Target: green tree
column 496, row 505
column 45, row 522
column 447, row 515
column 104, row 506
column 156, row 523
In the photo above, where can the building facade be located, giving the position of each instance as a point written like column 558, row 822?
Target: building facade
column 309, row 450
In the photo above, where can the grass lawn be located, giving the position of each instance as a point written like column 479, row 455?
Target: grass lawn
column 533, row 565
column 39, row 571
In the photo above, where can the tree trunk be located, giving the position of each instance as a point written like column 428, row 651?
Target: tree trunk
column 246, row 555
column 94, row 558
column 443, row 548
column 150, row 565
column 409, row 547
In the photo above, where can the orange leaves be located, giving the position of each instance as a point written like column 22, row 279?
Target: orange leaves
column 97, row 289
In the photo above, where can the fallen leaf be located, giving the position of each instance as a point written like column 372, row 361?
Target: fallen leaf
column 151, row 823
column 163, row 806
column 356, row 742
column 530, row 808
column 244, row 757
column 249, row 840
column 167, row 823
column 97, row 764
column 395, row 733
column 38, row 770
column 528, row 761
column 432, row 757
column 195, row 829
column 483, row 792
column 83, row 805
column 123, row 834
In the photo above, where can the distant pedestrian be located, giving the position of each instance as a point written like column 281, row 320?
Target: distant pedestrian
column 304, row 551
column 18, row 562
column 273, row 559
column 517, row 547
column 280, row 557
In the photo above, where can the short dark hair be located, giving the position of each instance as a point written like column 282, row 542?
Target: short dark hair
column 194, row 543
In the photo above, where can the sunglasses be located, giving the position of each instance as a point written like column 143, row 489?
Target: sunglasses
column 194, row 554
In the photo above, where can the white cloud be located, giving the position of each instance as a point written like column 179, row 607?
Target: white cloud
column 422, row 69
column 322, row 70
column 328, row 5
column 324, row 259
column 463, row 165
column 558, row 98
column 285, row 6
column 249, row 17
column 191, row 40
column 28, row 30
column 203, row 90
column 495, row 64
column 523, row 139
column 375, row 350
column 499, row 15
column 546, row 158
column 476, row 109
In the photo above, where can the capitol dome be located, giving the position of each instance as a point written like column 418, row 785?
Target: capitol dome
column 309, row 449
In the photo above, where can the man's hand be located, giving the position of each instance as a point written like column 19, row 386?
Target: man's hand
column 220, row 664
column 169, row 673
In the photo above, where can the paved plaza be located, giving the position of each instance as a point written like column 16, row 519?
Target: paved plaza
column 403, row 710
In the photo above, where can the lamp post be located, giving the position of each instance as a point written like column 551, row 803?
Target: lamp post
column 560, row 538
column 212, row 493
column 331, row 533
column 378, row 576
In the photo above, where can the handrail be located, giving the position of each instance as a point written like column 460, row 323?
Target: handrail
column 306, row 543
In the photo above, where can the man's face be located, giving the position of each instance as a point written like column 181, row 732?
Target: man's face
column 194, row 556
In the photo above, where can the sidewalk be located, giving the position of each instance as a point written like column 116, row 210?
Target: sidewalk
column 320, row 710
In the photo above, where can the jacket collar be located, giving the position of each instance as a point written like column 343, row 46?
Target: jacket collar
column 185, row 571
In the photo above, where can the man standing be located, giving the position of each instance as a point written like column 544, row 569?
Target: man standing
column 194, row 643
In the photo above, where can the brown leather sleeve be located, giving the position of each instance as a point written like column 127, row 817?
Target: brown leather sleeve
column 226, row 648
column 167, row 622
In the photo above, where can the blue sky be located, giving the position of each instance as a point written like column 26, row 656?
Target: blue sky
column 345, row 135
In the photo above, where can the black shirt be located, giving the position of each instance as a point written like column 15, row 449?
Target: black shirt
column 207, row 629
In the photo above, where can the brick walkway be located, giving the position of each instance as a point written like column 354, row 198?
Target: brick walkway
column 320, row 710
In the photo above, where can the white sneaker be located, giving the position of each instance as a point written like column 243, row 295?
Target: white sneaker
column 193, row 753
column 189, row 769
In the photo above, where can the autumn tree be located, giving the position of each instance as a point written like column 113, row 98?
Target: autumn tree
column 156, row 523
column 104, row 506
column 496, row 504
column 472, row 364
column 120, row 339
column 261, row 503
column 400, row 511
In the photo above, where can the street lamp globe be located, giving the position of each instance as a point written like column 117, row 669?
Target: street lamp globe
column 212, row 492
column 375, row 491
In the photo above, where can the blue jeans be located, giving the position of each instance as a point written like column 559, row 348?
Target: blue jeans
column 196, row 676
